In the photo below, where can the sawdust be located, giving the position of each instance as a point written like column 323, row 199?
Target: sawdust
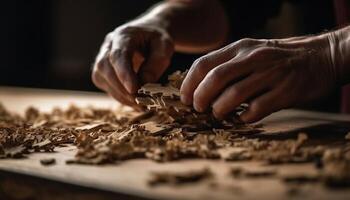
column 166, row 131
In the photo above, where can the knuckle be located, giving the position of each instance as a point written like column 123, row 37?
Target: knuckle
column 271, row 42
column 103, row 69
column 257, row 53
column 127, row 29
column 108, row 37
column 117, row 53
column 242, row 44
column 245, row 41
column 114, row 54
column 216, row 75
column 100, row 65
column 201, row 65
column 202, row 61
column 264, row 50
column 235, row 92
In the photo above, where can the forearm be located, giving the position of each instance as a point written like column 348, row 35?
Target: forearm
column 340, row 54
column 194, row 25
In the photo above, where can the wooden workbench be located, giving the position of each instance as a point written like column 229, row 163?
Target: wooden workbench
column 25, row 178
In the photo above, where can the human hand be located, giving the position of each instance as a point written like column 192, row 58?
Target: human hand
column 268, row 74
column 117, row 68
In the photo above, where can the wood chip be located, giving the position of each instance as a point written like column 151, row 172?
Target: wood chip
column 48, row 161
column 238, row 172
column 179, row 178
column 166, row 131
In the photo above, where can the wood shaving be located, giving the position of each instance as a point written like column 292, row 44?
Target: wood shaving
column 238, row 172
column 347, row 136
column 301, row 179
column 179, row 178
column 166, row 131
column 48, row 161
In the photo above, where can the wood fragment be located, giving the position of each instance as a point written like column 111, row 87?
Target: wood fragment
column 347, row 136
column 48, row 161
column 301, row 179
column 178, row 178
column 238, row 172
column 166, row 131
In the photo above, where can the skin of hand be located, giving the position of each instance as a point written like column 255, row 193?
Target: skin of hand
column 115, row 70
column 269, row 75
column 139, row 51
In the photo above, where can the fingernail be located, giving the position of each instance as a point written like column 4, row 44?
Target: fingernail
column 198, row 108
column 185, row 100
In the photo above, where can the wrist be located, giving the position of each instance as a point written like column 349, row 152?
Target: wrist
column 339, row 48
column 154, row 18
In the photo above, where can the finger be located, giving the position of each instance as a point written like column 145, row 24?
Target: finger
column 259, row 82
column 264, row 61
column 217, row 79
column 199, row 70
column 203, row 65
column 101, row 67
column 239, row 93
column 115, row 86
column 111, row 92
column 103, row 85
column 98, row 80
column 266, row 104
column 161, row 50
column 120, row 58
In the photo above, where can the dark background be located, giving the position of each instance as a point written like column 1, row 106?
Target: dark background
column 53, row 43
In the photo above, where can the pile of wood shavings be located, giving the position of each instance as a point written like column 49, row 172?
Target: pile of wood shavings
column 166, row 131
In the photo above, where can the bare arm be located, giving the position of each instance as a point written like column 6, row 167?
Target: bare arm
column 183, row 25
column 194, row 25
column 340, row 54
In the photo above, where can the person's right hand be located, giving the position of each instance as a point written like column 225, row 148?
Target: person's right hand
column 115, row 70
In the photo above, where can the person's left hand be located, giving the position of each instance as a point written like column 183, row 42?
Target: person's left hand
column 268, row 74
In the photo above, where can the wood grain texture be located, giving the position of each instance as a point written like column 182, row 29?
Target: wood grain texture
column 130, row 177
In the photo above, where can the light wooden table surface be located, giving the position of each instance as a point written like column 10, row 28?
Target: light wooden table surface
column 129, row 179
